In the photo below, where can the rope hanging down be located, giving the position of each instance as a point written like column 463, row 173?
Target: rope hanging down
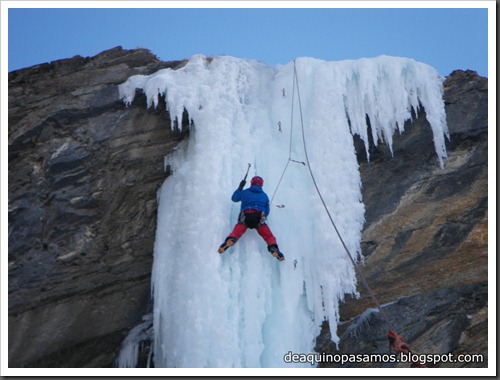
column 290, row 144
column 395, row 340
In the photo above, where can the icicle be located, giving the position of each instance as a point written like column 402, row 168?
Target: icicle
column 129, row 351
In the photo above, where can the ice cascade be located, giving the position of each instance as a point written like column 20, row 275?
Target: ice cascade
column 244, row 308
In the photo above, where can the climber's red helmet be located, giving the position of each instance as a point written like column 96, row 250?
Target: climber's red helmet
column 257, row 181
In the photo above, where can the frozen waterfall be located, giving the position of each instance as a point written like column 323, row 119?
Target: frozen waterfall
column 244, row 308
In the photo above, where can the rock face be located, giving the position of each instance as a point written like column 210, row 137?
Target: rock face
column 425, row 240
column 83, row 175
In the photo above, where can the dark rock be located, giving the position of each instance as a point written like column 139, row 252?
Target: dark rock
column 429, row 323
column 83, row 175
column 466, row 98
column 426, row 234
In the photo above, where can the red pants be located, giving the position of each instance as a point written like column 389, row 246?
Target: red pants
column 263, row 231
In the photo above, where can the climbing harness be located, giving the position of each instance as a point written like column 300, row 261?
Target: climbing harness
column 395, row 340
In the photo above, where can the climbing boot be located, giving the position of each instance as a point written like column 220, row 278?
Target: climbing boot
column 227, row 243
column 276, row 252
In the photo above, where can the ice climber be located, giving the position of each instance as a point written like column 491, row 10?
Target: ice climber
column 253, row 214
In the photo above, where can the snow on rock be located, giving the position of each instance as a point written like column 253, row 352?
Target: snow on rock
column 244, row 308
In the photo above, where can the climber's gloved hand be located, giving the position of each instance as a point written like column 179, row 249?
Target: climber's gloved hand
column 242, row 185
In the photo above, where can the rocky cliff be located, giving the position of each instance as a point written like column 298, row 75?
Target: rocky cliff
column 425, row 240
column 83, row 175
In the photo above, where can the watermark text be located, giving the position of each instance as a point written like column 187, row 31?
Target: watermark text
column 314, row 359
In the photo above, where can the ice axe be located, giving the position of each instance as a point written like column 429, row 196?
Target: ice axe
column 244, row 181
column 248, row 169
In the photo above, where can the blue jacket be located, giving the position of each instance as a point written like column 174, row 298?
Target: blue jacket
column 252, row 198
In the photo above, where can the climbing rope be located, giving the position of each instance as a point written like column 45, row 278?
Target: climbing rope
column 356, row 267
column 290, row 144
column 395, row 340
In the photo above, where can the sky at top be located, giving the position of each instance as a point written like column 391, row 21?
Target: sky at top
column 445, row 38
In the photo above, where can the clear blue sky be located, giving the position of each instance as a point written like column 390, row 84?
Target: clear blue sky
column 446, row 39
